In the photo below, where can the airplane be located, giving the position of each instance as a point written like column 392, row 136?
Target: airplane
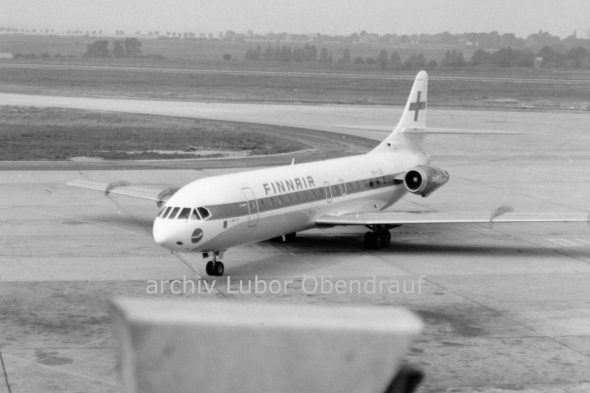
column 211, row 215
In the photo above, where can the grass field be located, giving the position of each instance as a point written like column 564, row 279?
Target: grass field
column 61, row 134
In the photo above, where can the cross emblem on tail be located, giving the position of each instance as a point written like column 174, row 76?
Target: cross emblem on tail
column 416, row 106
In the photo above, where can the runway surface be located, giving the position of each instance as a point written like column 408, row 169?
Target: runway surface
column 506, row 308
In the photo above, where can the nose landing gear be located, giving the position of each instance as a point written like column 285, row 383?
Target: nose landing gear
column 214, row 267
column 378, row 238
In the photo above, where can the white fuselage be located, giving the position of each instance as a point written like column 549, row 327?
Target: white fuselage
column 216, row 213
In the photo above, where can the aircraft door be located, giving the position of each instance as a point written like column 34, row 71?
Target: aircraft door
column 328, row 191
column 252, row 207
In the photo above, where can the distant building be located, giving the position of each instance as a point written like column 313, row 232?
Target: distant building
column 5, row 55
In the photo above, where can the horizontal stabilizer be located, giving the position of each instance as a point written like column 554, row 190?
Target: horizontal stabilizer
column 454, row 131
column 368, row 128
column 125, row 188
column 430, row 131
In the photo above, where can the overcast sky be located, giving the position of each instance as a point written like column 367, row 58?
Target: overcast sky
column 342, row 17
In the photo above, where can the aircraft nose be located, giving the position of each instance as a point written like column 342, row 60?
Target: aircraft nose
column 165, row 235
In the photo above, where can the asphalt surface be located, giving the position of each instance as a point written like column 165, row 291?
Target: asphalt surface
column 506, row 308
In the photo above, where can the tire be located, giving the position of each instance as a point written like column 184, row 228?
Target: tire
column 369, row 240
column 386, row 238
column 219, row 269
column 378, row 240
column 209, row 268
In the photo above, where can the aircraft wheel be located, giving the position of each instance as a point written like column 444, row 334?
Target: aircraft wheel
column 370, row 240
column 379, row 239
column 386, row 238
column 219, row 269
column 209, row 268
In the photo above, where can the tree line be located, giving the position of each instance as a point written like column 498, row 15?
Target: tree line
column 578, row 57
column 309, row 53
column 130, row 48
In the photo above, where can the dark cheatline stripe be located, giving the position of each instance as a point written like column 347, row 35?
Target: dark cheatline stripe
column 266, row 204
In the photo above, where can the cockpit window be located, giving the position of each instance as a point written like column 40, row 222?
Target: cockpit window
column 166, row 211
column 204, row 213
column 184, row 213
column 195, row 215
column 172, row 215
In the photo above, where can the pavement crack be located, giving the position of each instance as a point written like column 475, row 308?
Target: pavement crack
column 5, row 373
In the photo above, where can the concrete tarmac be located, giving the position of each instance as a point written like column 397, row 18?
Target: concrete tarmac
column 506, row 308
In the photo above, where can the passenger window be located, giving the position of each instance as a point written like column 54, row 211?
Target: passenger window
column 278, row 201
column 342, row 187
column 270, row 202
column 294, row 197
column 302, row 196
column 172, row 215
column 286, row 199
column 194, row 215
column 184, row 214
column 204, row 213
column 310, row 195
column 160, row 213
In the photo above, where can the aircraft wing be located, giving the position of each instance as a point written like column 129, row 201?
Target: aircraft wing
column 503, row 214
column 125, row 188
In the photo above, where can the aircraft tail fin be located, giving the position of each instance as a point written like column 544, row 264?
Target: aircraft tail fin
column 413, row 117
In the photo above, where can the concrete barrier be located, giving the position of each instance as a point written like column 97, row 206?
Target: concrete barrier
column 220, row 346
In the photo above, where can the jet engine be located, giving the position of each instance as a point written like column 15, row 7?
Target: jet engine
column 424, row 179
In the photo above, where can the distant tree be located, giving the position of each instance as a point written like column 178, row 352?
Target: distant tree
column 227, row 57
column 453, row 59
column 298, row 55
column 98, row 49
column 345, row 56
column 45, row 55
column 118, row 51
column 370, row 60
column 253, row 54
column 311, row 52
column 395, row 60
column 417, row 61
column 550, row 58
column 432, row 64
column 383, row 59
column 268, row 54
column 480, row 57
column 324, row 55
column 575, row 57
column 358, row 60
column 132, row 47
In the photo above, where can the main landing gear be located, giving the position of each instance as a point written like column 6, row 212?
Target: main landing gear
column 379, row 237
column 288, row 238
column 214, row 267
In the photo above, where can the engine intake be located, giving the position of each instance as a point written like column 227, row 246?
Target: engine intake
column 424, row 179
